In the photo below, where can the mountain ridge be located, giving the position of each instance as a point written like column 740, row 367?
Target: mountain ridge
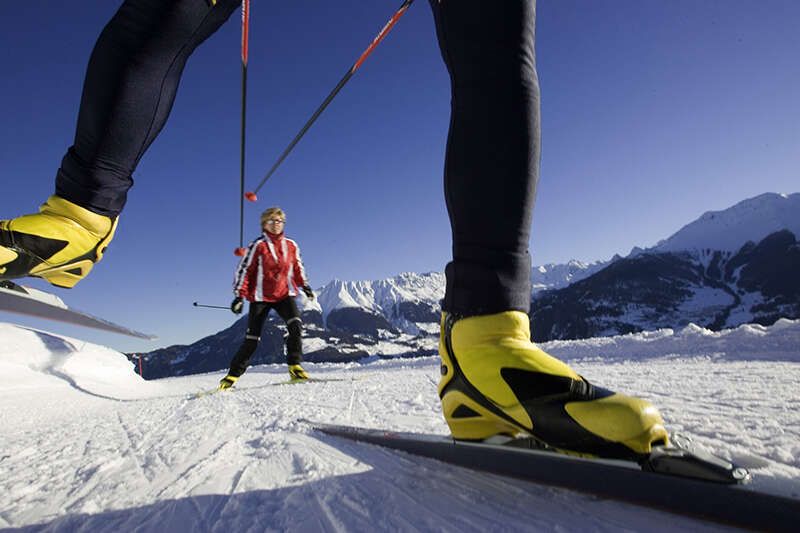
column 651, row 288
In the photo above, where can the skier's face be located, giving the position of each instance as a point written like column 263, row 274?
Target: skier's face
column 274, row 225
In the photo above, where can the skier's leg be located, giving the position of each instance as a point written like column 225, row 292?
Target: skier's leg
column 130, row 85
column 494, row 379
column 287, row 309
column 255, row 322
column 492, row 156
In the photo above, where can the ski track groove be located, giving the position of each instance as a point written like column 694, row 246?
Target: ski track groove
column 350, row 404
column 326, row 516
column 237, row 478
column 132, row 450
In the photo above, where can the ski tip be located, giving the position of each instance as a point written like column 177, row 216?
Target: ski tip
column 128, row 332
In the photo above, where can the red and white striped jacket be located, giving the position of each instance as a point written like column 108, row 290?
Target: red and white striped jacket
column 270, row 270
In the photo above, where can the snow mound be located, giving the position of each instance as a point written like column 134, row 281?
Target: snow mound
column 30, row 359
column 748, row 342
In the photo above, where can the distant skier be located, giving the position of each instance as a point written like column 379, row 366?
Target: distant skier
column 267, row 276
column 494, row 379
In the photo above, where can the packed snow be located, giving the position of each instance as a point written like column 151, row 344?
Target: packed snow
column 86, row 444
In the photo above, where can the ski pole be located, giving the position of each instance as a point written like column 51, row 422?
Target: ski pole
column 240, row 251
column 251, row 196
column 211, row 306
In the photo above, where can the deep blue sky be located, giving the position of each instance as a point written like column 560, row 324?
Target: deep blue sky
column 653, row 112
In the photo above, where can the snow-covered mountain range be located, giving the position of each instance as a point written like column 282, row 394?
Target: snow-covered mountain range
column 726, row 268
column 403, row 301
column 557, row 276
column 750, row 220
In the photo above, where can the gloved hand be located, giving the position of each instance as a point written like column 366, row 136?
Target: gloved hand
column 237, row 305
column 308, row 292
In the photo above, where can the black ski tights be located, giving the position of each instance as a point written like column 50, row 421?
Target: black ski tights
column 492, row 159
column 130, row 85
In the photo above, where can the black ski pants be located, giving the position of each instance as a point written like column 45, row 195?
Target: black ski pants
column 130, row 86
column 492, row 158
column 287, row 310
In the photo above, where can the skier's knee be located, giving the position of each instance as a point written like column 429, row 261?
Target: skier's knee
column 295, row 327
column 250, row 343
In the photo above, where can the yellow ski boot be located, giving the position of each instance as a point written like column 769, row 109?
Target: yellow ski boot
column 495, row 381
column 297, row 373
column 227, row 382
column 61, row 243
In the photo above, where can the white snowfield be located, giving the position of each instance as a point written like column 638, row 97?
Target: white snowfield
column 87, row 445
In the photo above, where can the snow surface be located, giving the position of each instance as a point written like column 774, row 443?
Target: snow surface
column 85, row 444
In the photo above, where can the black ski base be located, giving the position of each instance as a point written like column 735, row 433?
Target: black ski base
column 625, row 481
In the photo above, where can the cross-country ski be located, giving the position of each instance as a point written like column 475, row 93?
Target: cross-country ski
column 40, row 304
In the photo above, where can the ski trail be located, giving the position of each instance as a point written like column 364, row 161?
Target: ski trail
column 242, row 461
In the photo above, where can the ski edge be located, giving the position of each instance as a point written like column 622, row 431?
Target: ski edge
column 623, row 481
